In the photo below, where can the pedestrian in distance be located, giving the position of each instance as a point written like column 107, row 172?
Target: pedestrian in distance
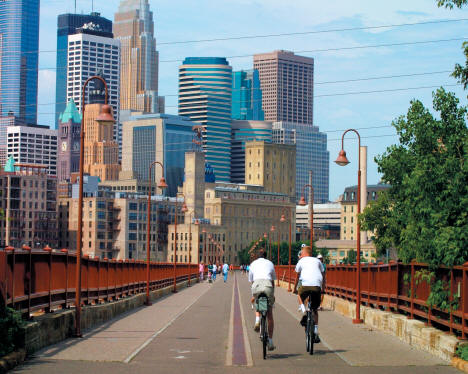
column 225, row 272
column 215, row 268
column 201, row 270
column 210, row 273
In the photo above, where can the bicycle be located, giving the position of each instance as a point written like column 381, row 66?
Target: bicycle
column 309, row 328
column 262, row 307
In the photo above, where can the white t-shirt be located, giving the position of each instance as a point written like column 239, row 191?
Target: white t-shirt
column 225, row 268
column 311, row 269
column 214, row 268
column 261, row 269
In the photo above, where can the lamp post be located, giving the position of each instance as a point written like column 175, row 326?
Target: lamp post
column 283, row 219
column 190, row 246
column 162, row 185
column 204, row 245
column 184, row 209
column 104, row 116
column 272, row 230
column 278, row 258
column 342, row 160
column 302, row 202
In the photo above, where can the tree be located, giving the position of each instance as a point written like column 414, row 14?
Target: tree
column 425, row 212
column 450, row 3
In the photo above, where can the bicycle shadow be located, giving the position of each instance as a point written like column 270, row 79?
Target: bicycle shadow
column 279, row 356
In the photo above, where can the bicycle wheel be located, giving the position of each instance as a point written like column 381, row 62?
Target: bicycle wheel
column 307, row 332
column 264, row 335
column 311, row 334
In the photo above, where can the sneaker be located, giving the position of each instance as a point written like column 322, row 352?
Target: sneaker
column 304, row 320
column 271, row 346
column 317, row 339
column 257, row 326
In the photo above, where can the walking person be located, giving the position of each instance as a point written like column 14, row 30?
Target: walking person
column 201, row 270
column 214, row 269
column 225, row 272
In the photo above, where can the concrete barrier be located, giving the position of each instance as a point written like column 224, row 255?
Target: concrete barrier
column 54, row 327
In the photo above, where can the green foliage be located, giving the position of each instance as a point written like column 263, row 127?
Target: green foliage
column 10, row 329
column 440, row 296
column 425, row 212
column 450, row 3
column 351, row 257
column 462, row 351
column 461, row 72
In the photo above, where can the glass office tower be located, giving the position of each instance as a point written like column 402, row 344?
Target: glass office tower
column 246, row 96
column 205, row 85
column 68, row 24
column 19, row 45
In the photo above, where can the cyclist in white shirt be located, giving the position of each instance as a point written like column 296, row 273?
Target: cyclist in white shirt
column 262, row 276
column 310, row 272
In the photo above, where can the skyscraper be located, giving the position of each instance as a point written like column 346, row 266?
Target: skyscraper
column 134, row 27
column 246, row 96
column 69, row 24
column 287, row 83
column 19, row 50
column 90, row 53
column 311, row 154
column 205, row 85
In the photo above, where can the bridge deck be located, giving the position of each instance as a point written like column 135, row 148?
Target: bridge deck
column 208, row 328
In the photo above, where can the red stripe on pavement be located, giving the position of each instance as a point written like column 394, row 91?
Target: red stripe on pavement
column 238, row 349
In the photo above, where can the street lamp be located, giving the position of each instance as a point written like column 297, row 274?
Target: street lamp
column 272, row 229
column 204, row 245
column 283, row 219
column 302, row 202
column 162, row 185
column 105, row 116
column 342, row 160
column 184, row 209
column 190, row 245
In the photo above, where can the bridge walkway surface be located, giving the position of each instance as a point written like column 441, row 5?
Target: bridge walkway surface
column 207, row 328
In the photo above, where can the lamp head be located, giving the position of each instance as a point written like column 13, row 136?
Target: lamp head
column 184, row 208
column 265, row 235
column 342, row 160
column 302, row 201
column 283, row 218
column 203, row 231
column 272, row 228
column 105, row 115
column 162, row 183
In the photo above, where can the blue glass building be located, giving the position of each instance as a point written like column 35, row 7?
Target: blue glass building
column 205, row 85
column 19, row 45
column 67, row 24
column 246, row 96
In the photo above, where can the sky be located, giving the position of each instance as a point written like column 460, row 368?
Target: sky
column 347, row 95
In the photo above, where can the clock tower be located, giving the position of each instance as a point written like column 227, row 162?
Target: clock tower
column 68, row 142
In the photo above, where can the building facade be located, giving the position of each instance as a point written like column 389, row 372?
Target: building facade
column 338, row 250
column 101, row 152
column 311, row 154
column 33, row 145
column 287, row 83
column 349, row 209
column 91, row 52
column 69, row 130
column 156, row 137
column 134, row 28
column 271, row 166
column 19, row 54
column 205, row 85
column 327, row 218
column 28, row 199
column 246, row 96
column 243, row 131
column 68, row 24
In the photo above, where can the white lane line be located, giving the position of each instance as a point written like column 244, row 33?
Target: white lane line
column 321, row 339
column 248, row 351
column 231, row 329
column 152, row 337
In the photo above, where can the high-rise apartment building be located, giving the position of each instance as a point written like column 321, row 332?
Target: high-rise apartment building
column 34, row 145
column 246, row 96
column 243, row 131
column 19, row 53
column 69, row 24
column 5, row 122
column 28, row 199
column 287, row 83
column 205, row 85
column 311, row 154
column 101, row 152
column 156, row 137
column 91, row 53
column 134, row 27
column 69, row 131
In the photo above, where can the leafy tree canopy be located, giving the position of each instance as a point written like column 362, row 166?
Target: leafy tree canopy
column 425, row 212
column 450, row 3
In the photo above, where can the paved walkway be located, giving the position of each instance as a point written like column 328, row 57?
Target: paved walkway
column 208, row 327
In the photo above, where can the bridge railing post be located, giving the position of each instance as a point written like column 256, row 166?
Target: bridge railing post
column 464, row 300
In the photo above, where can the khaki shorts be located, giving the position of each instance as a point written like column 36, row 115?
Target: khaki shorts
column 264, row 286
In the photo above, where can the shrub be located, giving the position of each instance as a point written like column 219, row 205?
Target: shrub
column 462, row 352
column 10, row 330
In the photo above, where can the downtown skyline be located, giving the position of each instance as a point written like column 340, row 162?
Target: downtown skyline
column 371, row 113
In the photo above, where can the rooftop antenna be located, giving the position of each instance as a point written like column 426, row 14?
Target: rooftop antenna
column 75, row 6
column 92, row 6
